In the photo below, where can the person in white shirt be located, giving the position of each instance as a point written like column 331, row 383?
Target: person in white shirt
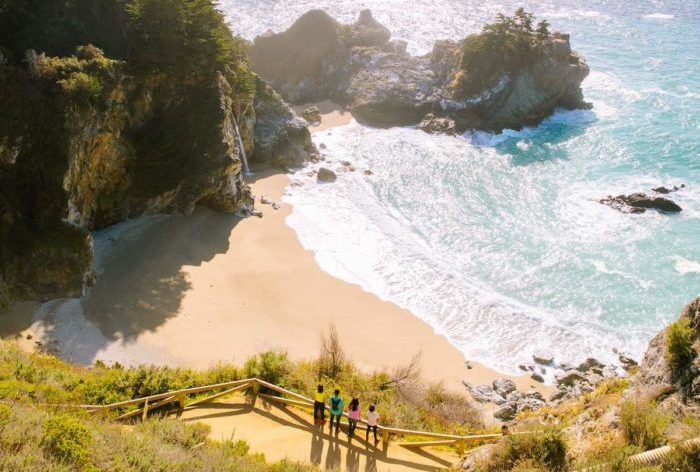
column 372, row 422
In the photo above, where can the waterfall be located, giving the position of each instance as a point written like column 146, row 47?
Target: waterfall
column 246, row 169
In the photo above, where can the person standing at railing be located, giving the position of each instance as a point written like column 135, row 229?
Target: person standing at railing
column 336, row 404
column 353, row 417
column 372, row 423
column 319, row 407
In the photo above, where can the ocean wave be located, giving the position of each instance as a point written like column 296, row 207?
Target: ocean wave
column 658, row 16
column 684, row 266
column 560, row 116
column 610, row 84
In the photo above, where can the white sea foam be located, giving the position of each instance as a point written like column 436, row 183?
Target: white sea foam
column 500, row 239
column 684, row 266
column 659, row 16
column 359, row 234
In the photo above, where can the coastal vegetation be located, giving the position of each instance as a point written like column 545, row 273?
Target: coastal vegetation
column 509, row 44
column 606, row 426
column 35, row 433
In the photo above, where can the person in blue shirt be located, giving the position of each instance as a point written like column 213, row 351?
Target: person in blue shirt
column 336, row 405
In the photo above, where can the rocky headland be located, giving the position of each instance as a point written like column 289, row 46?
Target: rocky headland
column 90, row 137
column 473, row 83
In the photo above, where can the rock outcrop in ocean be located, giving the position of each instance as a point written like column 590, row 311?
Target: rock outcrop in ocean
column 383, row 85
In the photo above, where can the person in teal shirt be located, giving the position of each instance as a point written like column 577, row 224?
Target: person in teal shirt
column 336, row 404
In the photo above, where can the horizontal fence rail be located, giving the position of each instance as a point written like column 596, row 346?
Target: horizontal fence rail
column 152, row 402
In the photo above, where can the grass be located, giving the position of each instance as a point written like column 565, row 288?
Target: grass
column 543, row 451
column 644, row 424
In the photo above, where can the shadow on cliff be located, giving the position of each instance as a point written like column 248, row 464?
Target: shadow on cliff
column 143, row 283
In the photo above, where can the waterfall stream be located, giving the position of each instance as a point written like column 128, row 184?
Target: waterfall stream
column 246, row 169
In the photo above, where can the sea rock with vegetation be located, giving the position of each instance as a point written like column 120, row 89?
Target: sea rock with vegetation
column 514, row 73
column 113, row 110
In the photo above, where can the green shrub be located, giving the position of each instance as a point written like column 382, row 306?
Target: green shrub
column 544, row 450
column 644, row 425
column 679, row 343
column 683, row 458
column 67, row 438
column 174, row 431
column 270, row 366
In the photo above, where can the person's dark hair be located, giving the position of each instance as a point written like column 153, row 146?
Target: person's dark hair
column 319, row 389
column 337, row 392
column 371, row 408
column 354, row 404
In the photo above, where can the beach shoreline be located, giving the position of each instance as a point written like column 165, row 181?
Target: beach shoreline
column 195, row 290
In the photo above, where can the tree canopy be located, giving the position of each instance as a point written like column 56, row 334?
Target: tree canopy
column 506, row 45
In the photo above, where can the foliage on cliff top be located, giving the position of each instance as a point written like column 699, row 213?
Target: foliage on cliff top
column 679, row 343
column 182, row 39
column 507, row 45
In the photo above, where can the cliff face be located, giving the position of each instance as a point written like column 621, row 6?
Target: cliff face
column 383, row 85
column 676, row 388
column 84, row 145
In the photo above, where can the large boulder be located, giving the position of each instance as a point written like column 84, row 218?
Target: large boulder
column 281, row 137
column 367, row 31
column 640, row 202
column 295, row 62
column 326, row 175
column 436, row 125
column 504, row 386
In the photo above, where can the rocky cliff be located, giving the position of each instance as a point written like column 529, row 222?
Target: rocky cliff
column 358, row 65
column 87, row 141
column 676, row 386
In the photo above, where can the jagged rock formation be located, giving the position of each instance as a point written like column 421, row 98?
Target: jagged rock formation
column 281, row 137
column 640, row 202
column 318, row 58
column 677, row 389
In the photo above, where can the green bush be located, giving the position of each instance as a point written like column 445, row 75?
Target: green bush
column 269, row 366
column 644, row 425
column 544, row 450
column 679, row 343
column 67, row 438
column 174, row 431
column 683, row 458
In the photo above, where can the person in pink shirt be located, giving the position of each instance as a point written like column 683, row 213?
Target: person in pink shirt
column 353, row 417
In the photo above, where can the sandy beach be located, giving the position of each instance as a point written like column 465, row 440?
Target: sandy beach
column 194, row 290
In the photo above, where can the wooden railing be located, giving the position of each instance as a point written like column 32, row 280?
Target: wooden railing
column 150, row 403
column 180, row 397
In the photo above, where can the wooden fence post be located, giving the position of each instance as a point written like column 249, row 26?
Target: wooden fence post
column 181, row 401
column 256, row 390
column 145, row 411
column 460, row 447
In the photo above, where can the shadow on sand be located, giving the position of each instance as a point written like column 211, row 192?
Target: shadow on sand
column 141, row 286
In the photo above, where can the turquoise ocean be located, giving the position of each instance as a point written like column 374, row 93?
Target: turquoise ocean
column 498, row 240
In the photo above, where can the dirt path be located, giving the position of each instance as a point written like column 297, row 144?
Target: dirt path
column 280, row 432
